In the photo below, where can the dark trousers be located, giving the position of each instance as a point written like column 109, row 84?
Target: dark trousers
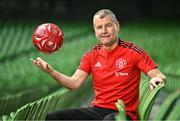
column 86, row 113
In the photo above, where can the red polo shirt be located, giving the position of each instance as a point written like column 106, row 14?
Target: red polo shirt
column 116, row 74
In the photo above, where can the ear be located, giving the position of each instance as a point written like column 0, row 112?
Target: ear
column 118, row 26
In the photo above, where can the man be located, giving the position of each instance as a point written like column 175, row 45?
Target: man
column 116, row 67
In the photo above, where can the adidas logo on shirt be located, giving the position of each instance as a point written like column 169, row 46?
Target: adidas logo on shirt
column 98, row 64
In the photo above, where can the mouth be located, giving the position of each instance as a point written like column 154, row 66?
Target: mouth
column 107, row 36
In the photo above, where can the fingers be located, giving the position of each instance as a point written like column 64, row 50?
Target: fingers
column 155, row 81
column 151, row 87
column 39, row 62
column 43, row 65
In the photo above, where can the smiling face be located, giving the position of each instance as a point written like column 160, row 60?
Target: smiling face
column 106, row 30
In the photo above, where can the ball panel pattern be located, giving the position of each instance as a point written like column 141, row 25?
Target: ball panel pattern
column 48, row 38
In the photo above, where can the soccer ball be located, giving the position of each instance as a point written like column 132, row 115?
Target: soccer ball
column 48, row 38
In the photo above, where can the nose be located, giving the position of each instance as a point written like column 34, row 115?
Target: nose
column 104, row 30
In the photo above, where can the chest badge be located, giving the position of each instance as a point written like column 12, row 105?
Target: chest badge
column 121, row 63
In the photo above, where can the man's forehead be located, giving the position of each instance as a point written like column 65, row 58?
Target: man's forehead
column 104, row 19
column 101, row 16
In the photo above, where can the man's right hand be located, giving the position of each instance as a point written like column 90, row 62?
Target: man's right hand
column 43, row 65
column 73, row 82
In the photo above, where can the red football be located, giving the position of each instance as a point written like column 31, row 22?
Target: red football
column 48, row 38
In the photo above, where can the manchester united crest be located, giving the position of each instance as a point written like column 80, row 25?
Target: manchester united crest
column 121, row 63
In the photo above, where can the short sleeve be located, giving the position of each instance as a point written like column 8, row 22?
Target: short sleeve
column 85, row 63
column 145, row 63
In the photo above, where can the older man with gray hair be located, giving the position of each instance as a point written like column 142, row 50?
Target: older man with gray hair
column 116, row 67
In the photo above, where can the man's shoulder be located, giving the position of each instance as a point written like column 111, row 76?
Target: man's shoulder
column 94, row 49
column 130, row 46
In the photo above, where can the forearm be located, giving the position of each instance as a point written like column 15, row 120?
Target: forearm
column 156, row 73
column 74, row 82
column 64, row 80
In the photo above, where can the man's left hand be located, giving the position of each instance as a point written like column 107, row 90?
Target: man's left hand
column 155, row 81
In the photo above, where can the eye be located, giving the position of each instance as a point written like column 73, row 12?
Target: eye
column 98, row 27
column 109, row 25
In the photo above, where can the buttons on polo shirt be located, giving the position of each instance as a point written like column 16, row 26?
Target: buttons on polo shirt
column 98, row 65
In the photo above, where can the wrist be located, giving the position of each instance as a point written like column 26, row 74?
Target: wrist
column 161, row 76
column 49, row 70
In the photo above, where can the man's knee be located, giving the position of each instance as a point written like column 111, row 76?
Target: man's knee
column 56, row 115
column 110, row 117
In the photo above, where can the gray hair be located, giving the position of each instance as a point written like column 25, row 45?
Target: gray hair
column 103, row 13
